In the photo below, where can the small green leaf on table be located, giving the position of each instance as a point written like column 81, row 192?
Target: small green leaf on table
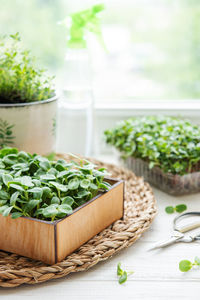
column 186, row 265
column 122, row 275
column 178, row 208
column 169, row 209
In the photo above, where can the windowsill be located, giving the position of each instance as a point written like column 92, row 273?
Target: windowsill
column 186, row 108
column 149, row 104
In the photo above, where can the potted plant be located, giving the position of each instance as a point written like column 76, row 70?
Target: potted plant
column 50, row 208
column 164, row 150
column 27, row 100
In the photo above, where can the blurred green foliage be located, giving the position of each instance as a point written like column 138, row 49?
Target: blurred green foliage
column 170, row 143
column 20, row 80
column 37, row 23
column 166, row 32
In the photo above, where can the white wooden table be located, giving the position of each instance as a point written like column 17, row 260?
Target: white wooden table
column 156, row 274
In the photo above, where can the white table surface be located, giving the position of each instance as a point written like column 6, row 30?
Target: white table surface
column 156, row 273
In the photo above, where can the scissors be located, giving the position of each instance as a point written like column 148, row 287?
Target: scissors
column 178, row 231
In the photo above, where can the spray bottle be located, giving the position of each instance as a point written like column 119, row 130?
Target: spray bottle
column 77, row 128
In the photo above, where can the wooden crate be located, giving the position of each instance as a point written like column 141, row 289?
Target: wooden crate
column 51, row 242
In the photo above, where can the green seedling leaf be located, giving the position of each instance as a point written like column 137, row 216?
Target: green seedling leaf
column 59, row 167
column 21, row 166
column 38, row 212
column 93, row 186
column 104, row 186
column 185, row 265
column 24, row 155
column 85, row 183
column 7, row 211
column 26, row 181
column 2, row 208
column 65, row 208
column 6, row 151
column 123, row 278
column 2, row 202
column 33, row 167
column 83, row 193
column 119, row 269
column 16, row 187
column 180, row 208
column 16, row 215
column 37, row 192
column 10, row 159
column 49, row 211
column 123, row 275
column 13, row 198
column 4, row 195
column 45, row 165
column 68, row 200
column 2, row 165
column 59, row 186
column 30, row 205
column 63, row 174
column 55, row 200
column 73, row 184
column 197, row 261
column 46, row 193
column 36, row 182
column 53, row 171
column 169, row 209
column 47, row 177
column 7, row 178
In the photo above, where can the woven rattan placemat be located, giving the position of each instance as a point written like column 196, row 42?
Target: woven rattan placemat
column 140, row 209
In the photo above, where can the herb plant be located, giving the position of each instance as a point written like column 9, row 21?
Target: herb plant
column 122, row 275
column 20, row 80
column 178, row 208
column 33, row 186
column 167, row 142
column 186, row 265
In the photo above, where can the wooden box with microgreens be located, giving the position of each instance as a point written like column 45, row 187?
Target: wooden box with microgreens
column 48, row 209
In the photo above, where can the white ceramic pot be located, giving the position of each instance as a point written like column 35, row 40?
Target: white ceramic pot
column 29, row 126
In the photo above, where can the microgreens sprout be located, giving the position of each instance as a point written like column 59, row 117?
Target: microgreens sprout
column 122, row 275
column 33, row 186
column 169, row 143
column 186, row 265
column 178, row 208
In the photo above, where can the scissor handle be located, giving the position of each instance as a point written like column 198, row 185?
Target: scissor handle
column 189, row 226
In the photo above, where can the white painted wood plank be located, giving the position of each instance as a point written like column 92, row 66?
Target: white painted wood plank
column 103, row 290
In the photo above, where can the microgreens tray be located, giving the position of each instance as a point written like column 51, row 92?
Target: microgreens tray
column 48, row 209
column 33, row 186
column 164, row 150
column 172, row 184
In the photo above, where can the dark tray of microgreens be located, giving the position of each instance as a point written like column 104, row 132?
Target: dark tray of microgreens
column 33, row 186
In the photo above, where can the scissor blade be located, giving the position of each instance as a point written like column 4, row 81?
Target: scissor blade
column 168, row 242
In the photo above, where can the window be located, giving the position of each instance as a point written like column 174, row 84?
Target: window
column 153, row 45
